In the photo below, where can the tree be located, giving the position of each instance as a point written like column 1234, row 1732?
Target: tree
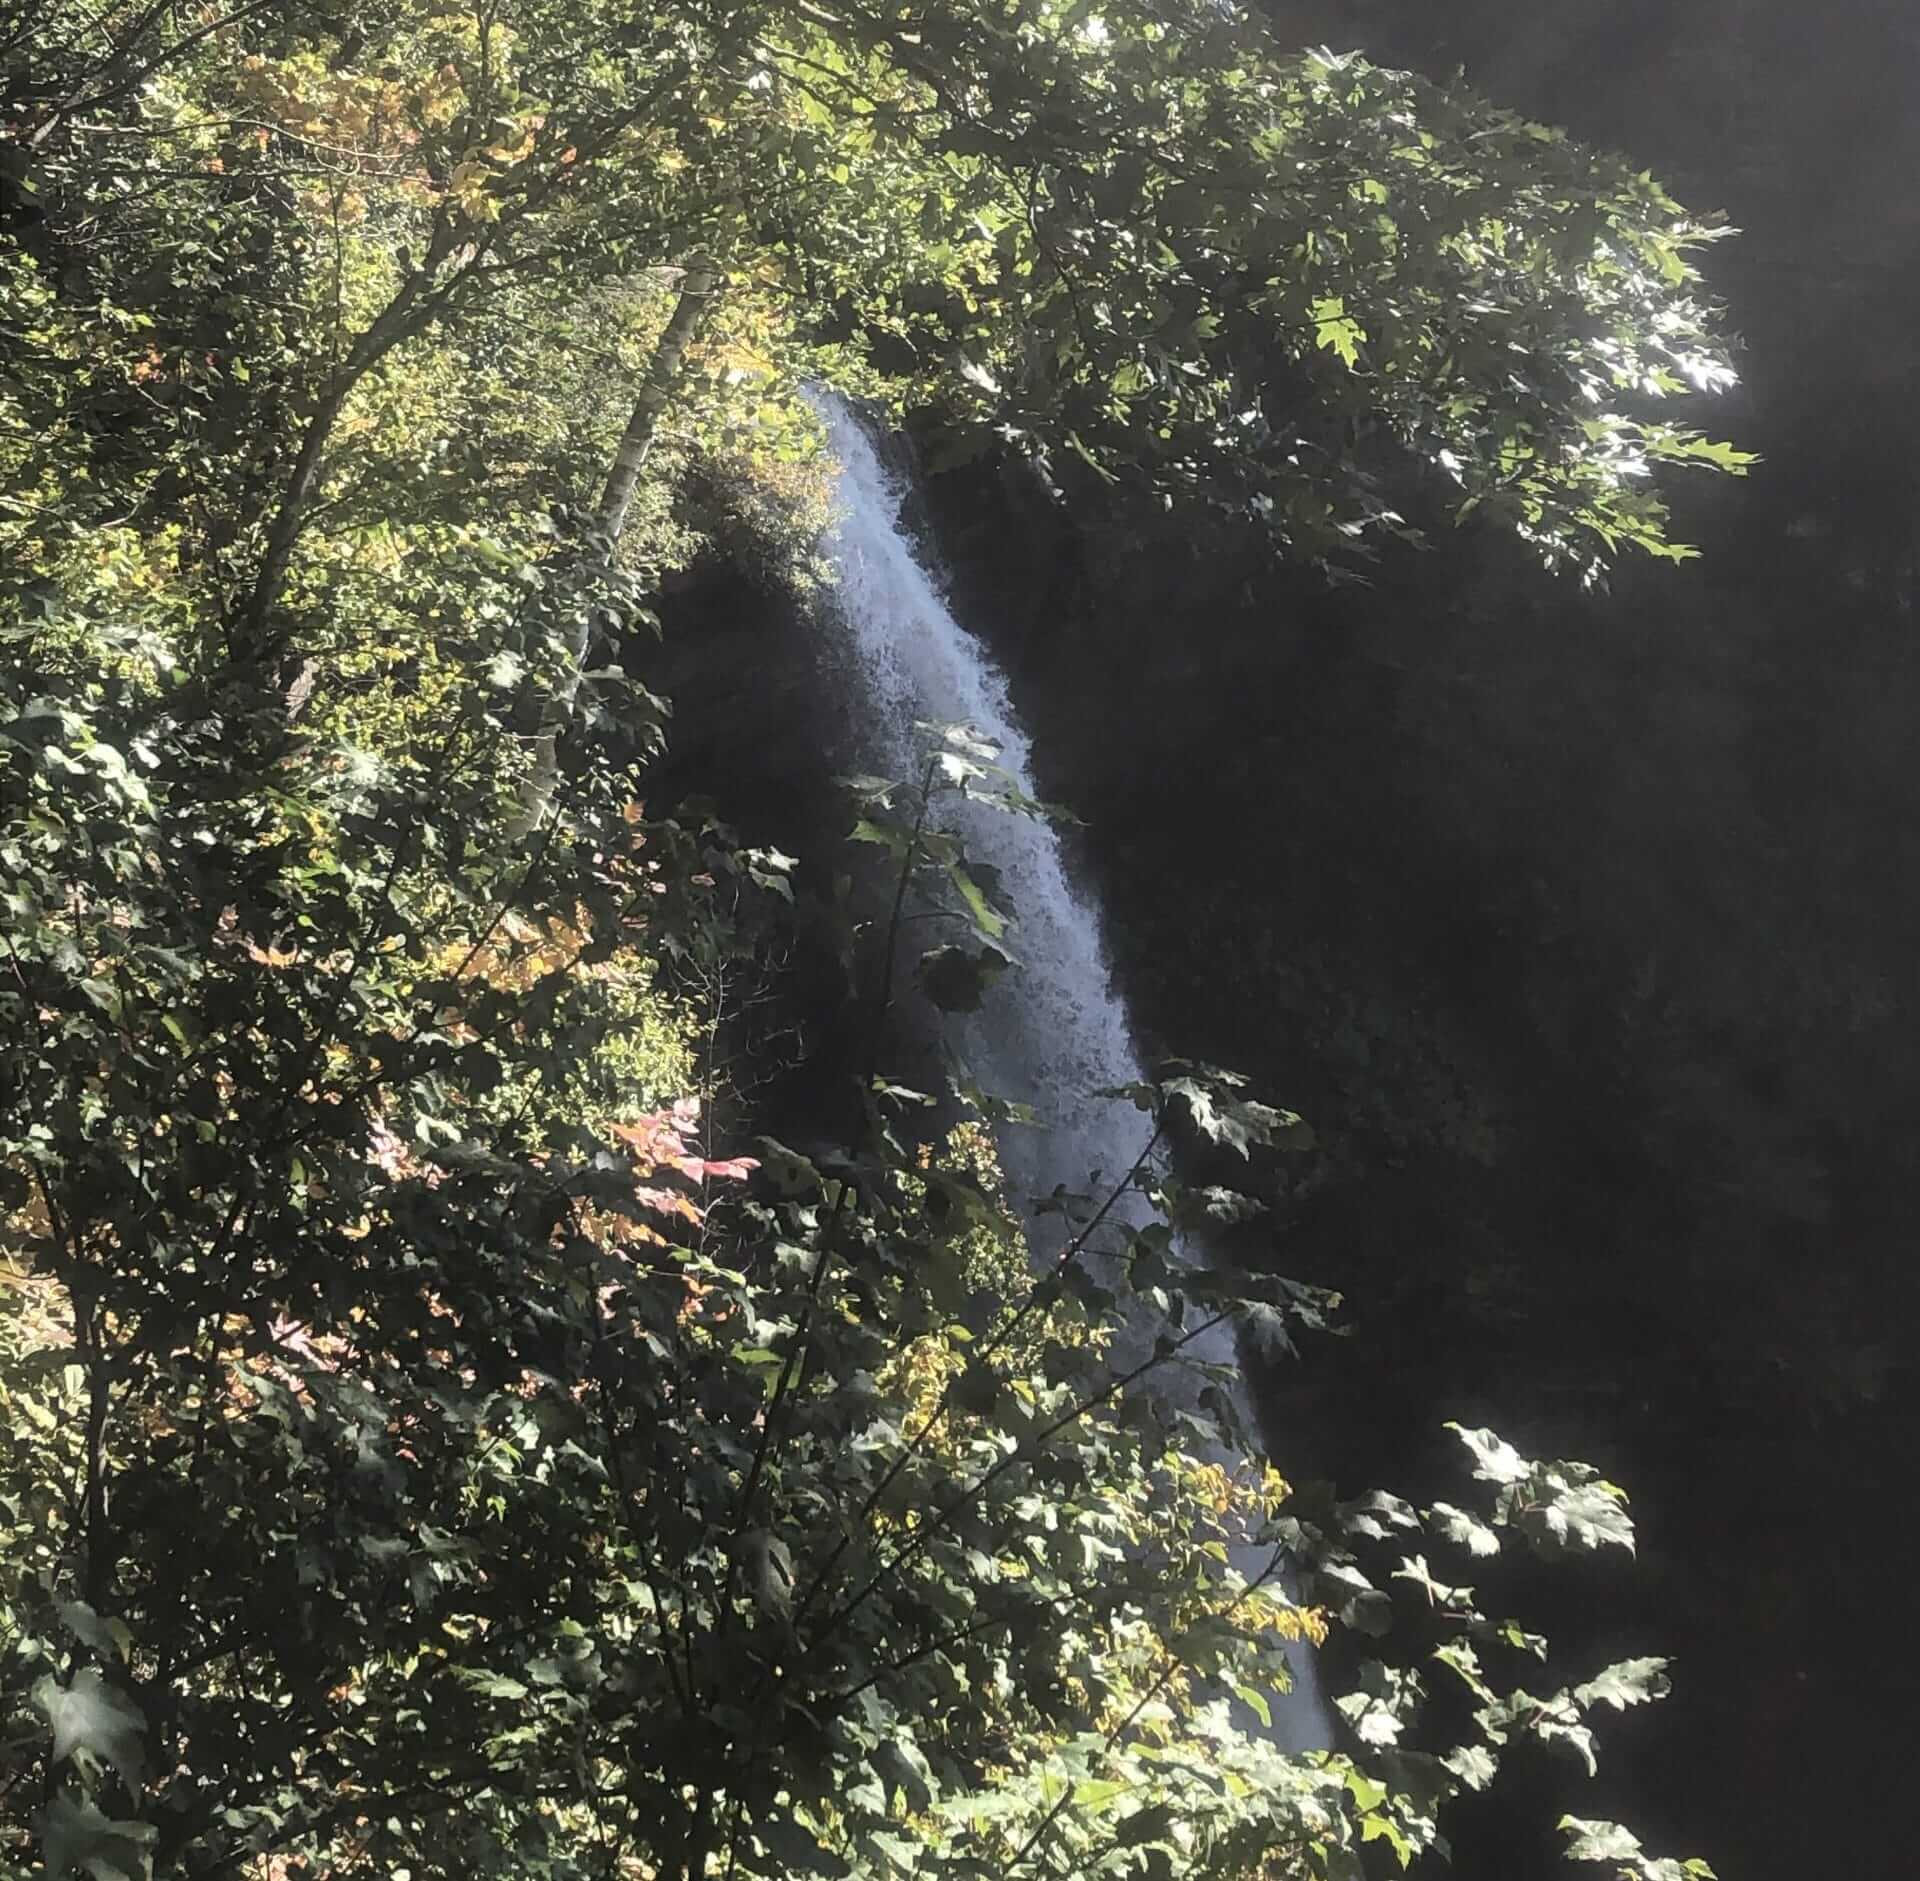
column 565, row 1498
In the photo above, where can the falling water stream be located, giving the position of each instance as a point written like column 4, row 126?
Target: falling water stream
column 1056, row 1031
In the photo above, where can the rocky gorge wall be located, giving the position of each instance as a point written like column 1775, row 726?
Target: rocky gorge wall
column 1581, row 927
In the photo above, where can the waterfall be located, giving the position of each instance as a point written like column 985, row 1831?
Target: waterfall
column 1054, row 1031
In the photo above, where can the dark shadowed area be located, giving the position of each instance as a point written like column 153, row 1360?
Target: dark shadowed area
column 1581, row 925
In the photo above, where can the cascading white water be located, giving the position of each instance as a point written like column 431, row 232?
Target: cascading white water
column 1054, row 1032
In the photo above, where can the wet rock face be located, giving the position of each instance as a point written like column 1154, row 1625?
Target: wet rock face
column 1581, row 927
column 1511, row 909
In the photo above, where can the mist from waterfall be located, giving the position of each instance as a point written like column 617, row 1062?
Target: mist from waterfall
column 1053, row 1031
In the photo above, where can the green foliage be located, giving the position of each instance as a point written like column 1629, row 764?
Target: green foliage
column 1608, row 1842
column 571, row 1516
column 1199, row 262
column 423, row 1451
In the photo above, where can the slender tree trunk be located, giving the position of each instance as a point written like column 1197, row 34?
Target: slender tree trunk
column 663, row 372
column 422, row 298
column 408, row 310
column 697, row 285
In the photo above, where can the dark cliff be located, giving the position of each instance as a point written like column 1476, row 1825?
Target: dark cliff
column 1581, row 926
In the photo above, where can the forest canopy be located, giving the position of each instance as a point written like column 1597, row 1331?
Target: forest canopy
column 439, row 1439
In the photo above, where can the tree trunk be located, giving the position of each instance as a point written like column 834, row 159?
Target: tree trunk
column 697, row 284
column 402, row 316
column 663, row 372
